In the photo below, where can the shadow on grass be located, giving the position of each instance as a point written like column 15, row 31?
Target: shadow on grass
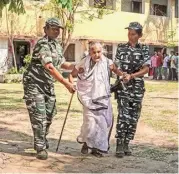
column 168, row 98
column 17, row 102
column 11, row 99
column 11, row 103
column 4, row 91
column 13, row 142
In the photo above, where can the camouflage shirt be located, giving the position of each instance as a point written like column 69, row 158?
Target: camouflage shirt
column 130, row 59
column 45, row 51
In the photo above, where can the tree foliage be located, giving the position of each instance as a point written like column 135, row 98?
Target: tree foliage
column 66, row 11
column 66, row 4
column 15, row 6
column 170, row 38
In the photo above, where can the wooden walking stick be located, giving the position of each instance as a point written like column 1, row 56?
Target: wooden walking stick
column 110, row 131
column 64, row 122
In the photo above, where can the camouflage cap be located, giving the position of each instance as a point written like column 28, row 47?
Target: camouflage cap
column 134, row 26
column 54, row 22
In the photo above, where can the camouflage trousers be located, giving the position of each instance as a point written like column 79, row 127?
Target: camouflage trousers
column 128, row 115
column 41, row 108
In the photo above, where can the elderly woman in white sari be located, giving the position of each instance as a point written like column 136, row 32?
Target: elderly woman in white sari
column 93, row 90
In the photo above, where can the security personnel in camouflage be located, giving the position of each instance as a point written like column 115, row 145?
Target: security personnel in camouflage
column 133, row 59
column 38, row 83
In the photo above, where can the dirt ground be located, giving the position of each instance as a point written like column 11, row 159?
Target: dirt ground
column 154, row 149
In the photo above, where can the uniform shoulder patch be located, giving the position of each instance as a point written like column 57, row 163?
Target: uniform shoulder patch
column 42, row 41
column 121, row 45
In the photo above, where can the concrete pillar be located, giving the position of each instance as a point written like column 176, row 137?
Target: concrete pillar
column 143, row 6
column 114, row 49
column 171, row 8
column 146, row 7
column 118, row 5
column 80, row 47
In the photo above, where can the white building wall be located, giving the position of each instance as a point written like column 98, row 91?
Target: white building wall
column 3, row 55
column 79, row 50
column 160, row 2
column 114, row 50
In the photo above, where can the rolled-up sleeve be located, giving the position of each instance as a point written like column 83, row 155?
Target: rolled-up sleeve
column 63, row 60
column 45, row 54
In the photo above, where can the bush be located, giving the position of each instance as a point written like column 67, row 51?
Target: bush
column 22, row 70
column 27, row 60
column 12, row 78
column 13, row 70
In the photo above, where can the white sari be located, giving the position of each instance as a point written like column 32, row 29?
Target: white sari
column 94, row 94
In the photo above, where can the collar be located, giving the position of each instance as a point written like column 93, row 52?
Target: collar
column 50, row 40
column 137, row 45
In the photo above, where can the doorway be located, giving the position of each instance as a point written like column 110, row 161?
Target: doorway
column 21, row 49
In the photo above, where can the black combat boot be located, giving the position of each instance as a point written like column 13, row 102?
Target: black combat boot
column 47, row 131
column 42, row 154
column 47, row 144
column 127, row 150
column 119, row 149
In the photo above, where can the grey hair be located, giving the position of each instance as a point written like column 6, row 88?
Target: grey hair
column 95, row 44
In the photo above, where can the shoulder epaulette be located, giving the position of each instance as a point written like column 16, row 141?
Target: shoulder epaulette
column 121, row 45
column 43, row 40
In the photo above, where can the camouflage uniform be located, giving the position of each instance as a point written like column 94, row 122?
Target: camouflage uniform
column 130, row 101
column 39, row 88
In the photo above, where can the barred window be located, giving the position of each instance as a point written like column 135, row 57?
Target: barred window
column 109, row 4
column 108, row 51
column 158, row 8
column 176, row 8
column 134, row 6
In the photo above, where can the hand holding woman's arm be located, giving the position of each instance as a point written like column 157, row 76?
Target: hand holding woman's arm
column 53, row 71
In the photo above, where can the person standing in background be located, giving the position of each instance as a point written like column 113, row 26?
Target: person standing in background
column 173, row 68
column 169, row 65
column 165, row 67
column 154, row 65
column 177, row 63
column 159, row 64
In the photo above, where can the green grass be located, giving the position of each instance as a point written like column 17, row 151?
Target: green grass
column 11, row 98
column 161, row 119
column 161, row 124
column 161, row 86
